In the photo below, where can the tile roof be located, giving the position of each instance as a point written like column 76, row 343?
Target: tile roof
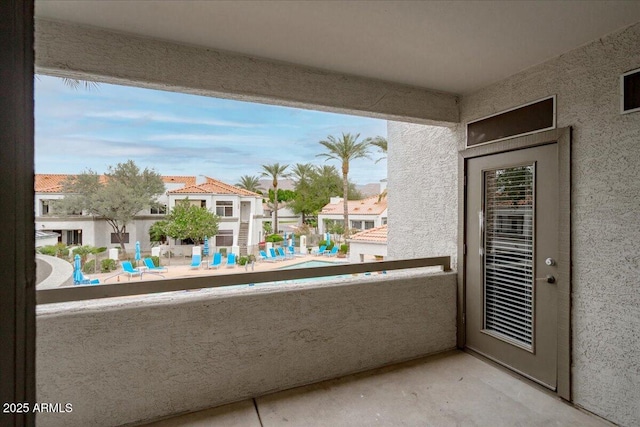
column 52, row 182
column 213, row 186
column 368, row 206
column 376, row 235
column 186, row 180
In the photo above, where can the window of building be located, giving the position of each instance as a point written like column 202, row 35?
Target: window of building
column 369, row 225
column 45, row 207
column 224, row 238
column 384, row 221
column 114, row 238
column 224, row 208
column 159, row 210
column 356, row 225
column 199, row 203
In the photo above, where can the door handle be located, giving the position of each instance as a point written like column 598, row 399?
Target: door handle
column 548, row 279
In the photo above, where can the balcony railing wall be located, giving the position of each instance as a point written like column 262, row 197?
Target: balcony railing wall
column 128, row 359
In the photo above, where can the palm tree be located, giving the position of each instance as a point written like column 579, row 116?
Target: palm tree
column 381, row 143
column 345, row 149
column 250, row 183
column 275, row 171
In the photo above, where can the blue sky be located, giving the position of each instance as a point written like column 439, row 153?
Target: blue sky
column 179, row 134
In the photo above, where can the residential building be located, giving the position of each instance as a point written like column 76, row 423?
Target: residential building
column 240, row 212
column 367, row 244
column 364, row 214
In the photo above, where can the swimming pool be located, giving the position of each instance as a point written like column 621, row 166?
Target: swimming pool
column 309, row 264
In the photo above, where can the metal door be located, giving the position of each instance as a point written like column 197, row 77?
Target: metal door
column 511, row 294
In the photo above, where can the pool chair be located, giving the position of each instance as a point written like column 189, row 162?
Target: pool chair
column 332, row 252
column 320, row 250
column 216, row 262
column 283, row 254
column 264, row 257
column 127, row 268
column 151, row 268
column 293, row 253
column 231, row 260
column 80, row 279
column 196, row 260
column 275, row 256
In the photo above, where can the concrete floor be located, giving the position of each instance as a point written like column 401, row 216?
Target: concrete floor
column 450, row 389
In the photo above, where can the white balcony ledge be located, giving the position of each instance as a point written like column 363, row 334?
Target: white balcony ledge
column 137, row 358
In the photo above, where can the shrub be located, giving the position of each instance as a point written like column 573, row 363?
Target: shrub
column 243, row 260
column 329, row 246
column 57, row 250
column 223, row 252
column 274, row 238
column 156, row 260
column 344, row 248
column 89, row 266
column 108, row 265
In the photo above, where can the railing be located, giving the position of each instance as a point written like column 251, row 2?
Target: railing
column 80, row 293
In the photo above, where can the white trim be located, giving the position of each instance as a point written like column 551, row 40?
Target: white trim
column 622, row 110
column 553, row 126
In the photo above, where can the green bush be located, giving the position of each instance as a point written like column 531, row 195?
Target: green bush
column 156, row 261
column 89, row 267
column 243, row 260
column 274, row 238
column 329, row 246
column 223, row 252
column 344, row 248
column 108, row 265
column 58, row 250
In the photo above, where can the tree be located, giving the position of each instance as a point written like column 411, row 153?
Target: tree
column 186, row 221
column 381, row 143
column 302, row 174
column 275, row 171
column 250, row 183
column 345, row 149
column 124, row 191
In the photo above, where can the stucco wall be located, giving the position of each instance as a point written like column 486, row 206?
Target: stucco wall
column 129, row 359
column 422, row 191
column 605, row 210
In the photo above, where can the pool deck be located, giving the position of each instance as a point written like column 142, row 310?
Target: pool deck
column 180, row 268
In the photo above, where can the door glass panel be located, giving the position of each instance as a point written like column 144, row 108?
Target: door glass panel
column 508, row 220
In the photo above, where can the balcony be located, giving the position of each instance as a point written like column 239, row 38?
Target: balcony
column 448, row 389
column 389, row 339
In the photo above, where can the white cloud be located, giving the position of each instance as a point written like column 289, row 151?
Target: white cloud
column 154, row 116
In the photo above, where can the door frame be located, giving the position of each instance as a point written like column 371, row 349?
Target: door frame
column 562, row 137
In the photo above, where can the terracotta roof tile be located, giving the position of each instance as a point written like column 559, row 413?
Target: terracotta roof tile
column 376, row 235
column 213, row 186
column 368, row 206
column 52, row 182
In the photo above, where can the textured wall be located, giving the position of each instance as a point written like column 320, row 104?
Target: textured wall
column 72, row 51
column 605, row 212
column 124, row 360
column 423, row 191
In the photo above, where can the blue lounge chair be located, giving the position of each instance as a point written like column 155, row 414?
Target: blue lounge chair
column 283, row 254
column 231, row 260
column 264, row 257
column 151, row 267
column 320, row 250
column 84, row 280
column 332, row 252
column 127, row 268
column 196, row 260
column 293, row 253
column 216, row 262
column 275, row 256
